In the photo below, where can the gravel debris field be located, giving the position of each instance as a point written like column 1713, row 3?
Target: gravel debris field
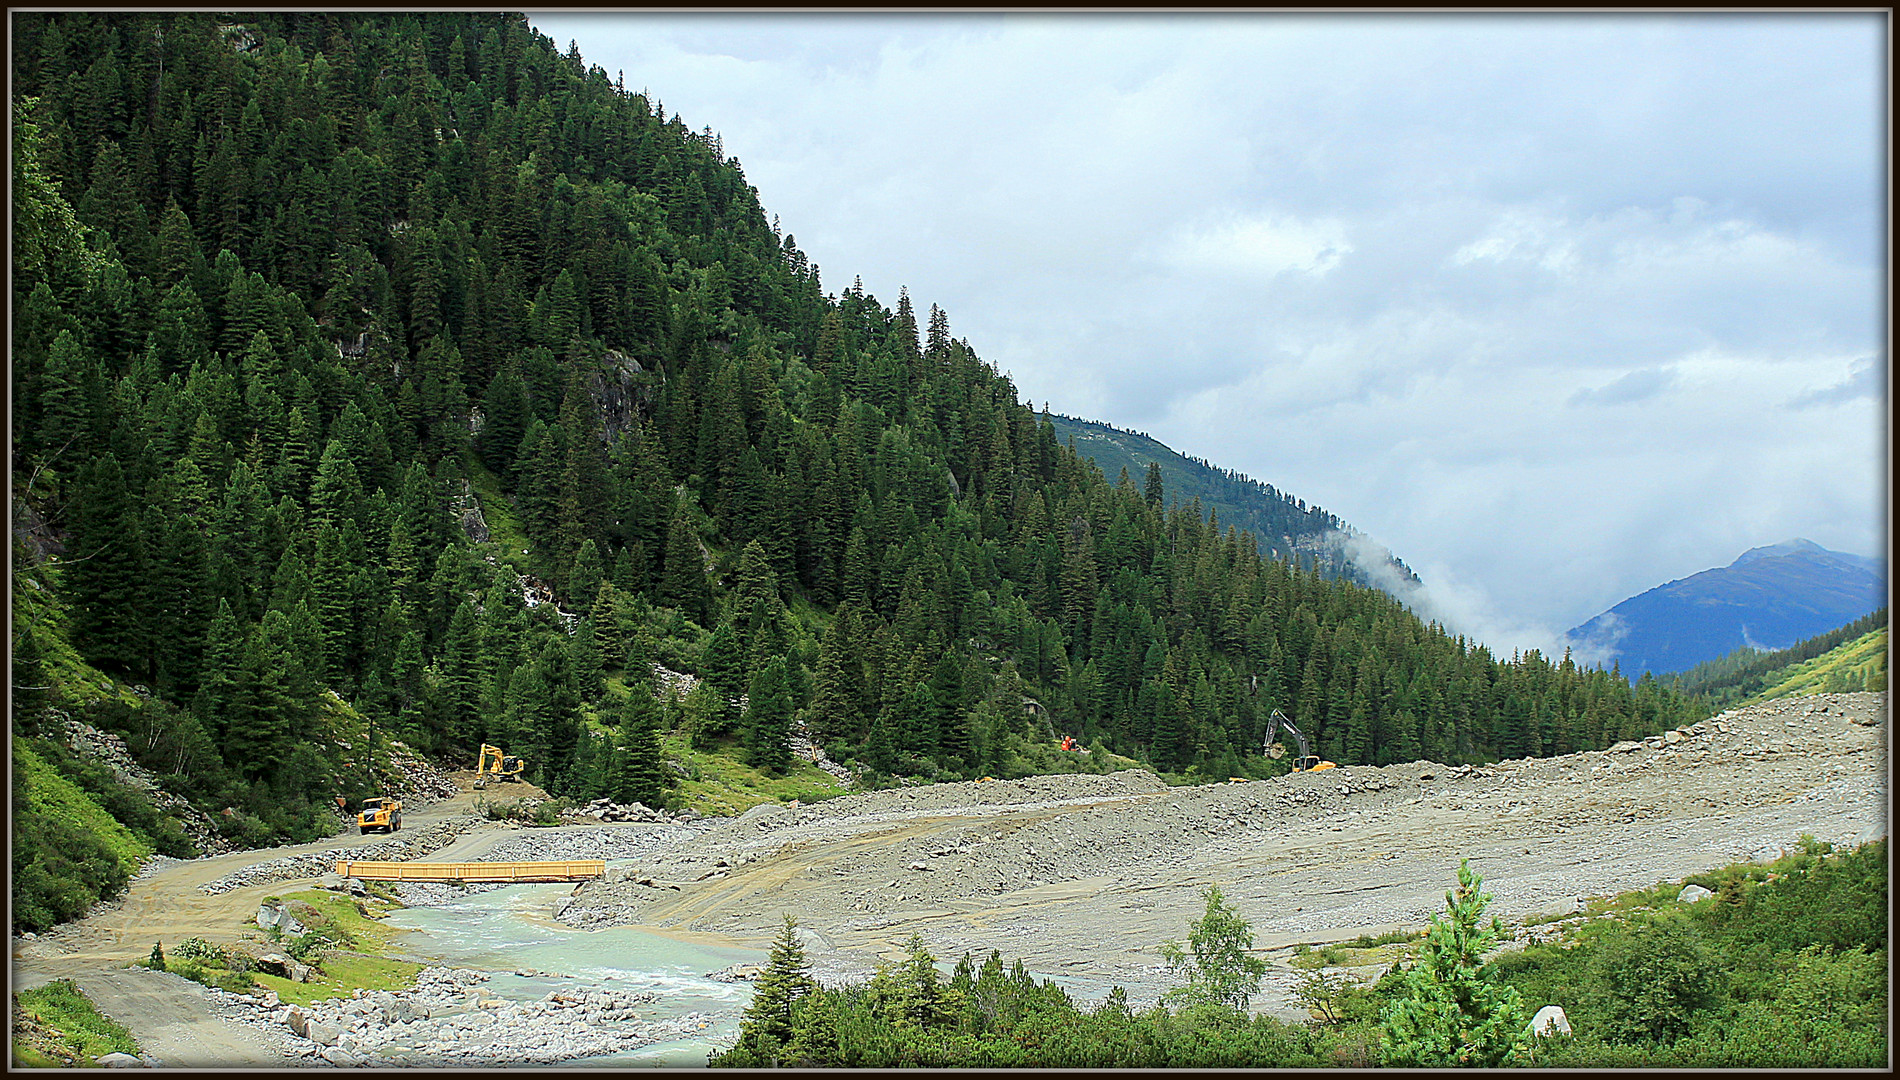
column 1082, row 877
column 1085, row 876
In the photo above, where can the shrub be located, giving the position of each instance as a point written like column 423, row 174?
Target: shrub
column 1653, row 980
column 1218, row 968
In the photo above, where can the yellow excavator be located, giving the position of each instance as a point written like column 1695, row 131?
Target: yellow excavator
column 1307, row 761
column 493, row 762
column 380, row 814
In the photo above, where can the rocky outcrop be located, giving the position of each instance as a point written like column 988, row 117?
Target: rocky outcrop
column 110, row 750
column 468, row 512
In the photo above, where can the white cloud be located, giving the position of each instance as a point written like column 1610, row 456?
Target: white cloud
column 1259, row 246
column 1556, row 307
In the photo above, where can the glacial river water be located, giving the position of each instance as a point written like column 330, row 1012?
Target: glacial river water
column 510, row 929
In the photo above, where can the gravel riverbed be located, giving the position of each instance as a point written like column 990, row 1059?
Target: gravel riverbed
column 1085, row 876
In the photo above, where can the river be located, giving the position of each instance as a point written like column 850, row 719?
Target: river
column 510, row 929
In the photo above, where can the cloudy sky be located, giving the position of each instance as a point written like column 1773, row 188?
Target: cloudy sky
column 1557, row 308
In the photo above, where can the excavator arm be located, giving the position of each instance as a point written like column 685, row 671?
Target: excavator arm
column 1307, row 761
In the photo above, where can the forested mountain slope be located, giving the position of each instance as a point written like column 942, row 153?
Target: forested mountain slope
column 1847, row 658
column 1284, row 526
column 294, row 293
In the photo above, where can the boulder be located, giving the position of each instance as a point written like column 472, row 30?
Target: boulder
column 273, row 916
column 1691, row 893
column 283, row 967
column 1672, row 737
column 297, row 1022
column 321, row 1033
column 121, row 1061
column 336, row 1055
column 331, row 882
column 1550, row 1020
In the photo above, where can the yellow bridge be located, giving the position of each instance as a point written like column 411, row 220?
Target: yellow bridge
column 575, row 870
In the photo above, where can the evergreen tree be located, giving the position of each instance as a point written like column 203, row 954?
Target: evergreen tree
column 105, row 567
column 766, row 1026
column 683, row 577
column 1456, row 1012
column 768, row 719
column 640, row 774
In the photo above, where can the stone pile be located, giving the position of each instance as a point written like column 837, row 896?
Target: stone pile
column 449, row 1021
column 609, row 810
column 625, row 842
column 110, row 750
column 396, row 847
column 416, row 781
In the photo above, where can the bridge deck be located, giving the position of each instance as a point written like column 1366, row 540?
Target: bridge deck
column 572, row 870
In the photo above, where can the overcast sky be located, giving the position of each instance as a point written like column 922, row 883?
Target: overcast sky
column 1556, row 308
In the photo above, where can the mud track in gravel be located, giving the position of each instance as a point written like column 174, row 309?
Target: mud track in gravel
column 173, row 1018
column 1083, row 877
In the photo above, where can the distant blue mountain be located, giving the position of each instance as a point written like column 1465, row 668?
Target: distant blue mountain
column 1769, row 598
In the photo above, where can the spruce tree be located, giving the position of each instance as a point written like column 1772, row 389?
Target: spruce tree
column 1456, row 1012
column 640, row 774
column 768, row 719
column 766, row 1026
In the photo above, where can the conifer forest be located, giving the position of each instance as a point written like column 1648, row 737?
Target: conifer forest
column 407, row 368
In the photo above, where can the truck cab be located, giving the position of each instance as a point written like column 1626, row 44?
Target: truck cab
column 379, row 815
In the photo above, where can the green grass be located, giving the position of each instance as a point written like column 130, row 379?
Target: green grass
column 721, row 785
column 75, row 680
column 504, row 527
column 1852, row 665
column 362, row 935
column 58, row 1027
column 51, row 794
column 344, row 971
column 1355, row 955
column 360, row 921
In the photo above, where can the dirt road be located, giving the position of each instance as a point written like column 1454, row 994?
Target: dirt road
column 172, row 1018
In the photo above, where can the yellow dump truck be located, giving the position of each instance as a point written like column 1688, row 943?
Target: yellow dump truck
column 380, row 815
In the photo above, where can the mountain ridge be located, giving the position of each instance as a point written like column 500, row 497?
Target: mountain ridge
column 1768, row 598
column 1286, row 526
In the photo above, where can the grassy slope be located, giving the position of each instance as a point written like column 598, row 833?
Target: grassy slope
column 1853, row 660
column 49, row 793
column 55, row 1026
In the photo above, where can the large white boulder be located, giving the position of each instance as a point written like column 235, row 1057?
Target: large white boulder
column 1550, row 1020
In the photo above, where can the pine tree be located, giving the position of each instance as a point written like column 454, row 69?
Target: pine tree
column 1456, row 1013
column 766, row 1026
column 768, row 719
column 640, row 774
column 104, row 568
column 683, row 576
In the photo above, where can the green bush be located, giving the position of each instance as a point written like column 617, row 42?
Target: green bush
column 68, row 853
column 1652, row 982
